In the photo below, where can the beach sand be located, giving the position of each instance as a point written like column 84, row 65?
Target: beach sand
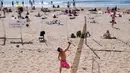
column 43, row 57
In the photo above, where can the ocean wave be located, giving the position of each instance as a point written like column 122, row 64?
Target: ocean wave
column 80, row 3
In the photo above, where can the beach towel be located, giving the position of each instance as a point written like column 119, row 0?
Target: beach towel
column 64, row 64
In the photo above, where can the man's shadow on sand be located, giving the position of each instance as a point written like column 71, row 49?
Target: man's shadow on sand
column 116, row 28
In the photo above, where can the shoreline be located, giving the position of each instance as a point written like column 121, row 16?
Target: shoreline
column 82, row 5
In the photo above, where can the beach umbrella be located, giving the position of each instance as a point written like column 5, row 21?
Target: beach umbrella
column 18, row 5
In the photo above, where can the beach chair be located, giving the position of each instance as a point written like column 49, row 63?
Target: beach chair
column 41, row 38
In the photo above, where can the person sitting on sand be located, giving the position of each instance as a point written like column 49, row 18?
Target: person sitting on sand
column 27, row 18
column 42, row 36
column 74, row 13
column 53, row 6
column 107, row 35
column 73, row 36
column 95, row 9
column 66, row 11
column 58, row 6
column 33, row 8
column 27, row 13
column 78, row 34
column 87, row 34
column 108, row 10
column 38, row 15
column 13, row 17
column 54, row 16
column 70, row 12
column 10, row 10
column 62, row 57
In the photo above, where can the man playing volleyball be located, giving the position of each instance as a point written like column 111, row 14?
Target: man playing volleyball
column 62, row 57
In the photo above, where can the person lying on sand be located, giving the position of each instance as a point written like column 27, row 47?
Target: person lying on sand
column 62, row 58
column 57, row 22
column 54, row 22
column 107, row 35
column 95, row 9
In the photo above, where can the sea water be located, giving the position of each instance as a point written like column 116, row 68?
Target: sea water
column 79, row 3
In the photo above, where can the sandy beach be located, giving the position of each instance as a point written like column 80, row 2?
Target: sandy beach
column 43, row 57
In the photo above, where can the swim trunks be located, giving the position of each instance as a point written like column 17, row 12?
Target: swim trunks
column 64, row 64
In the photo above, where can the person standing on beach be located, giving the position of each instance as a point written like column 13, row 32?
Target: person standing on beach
column 23, row 3
column 62, row 57
column 51, row 2
column 17, row 2
column 68, row 4
column 1, row 3
column 31, row 3
column 113, row 18
column 42, row 3
column 12, row 3
column 73, row 3
column 115, row 8
column 4, row 12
